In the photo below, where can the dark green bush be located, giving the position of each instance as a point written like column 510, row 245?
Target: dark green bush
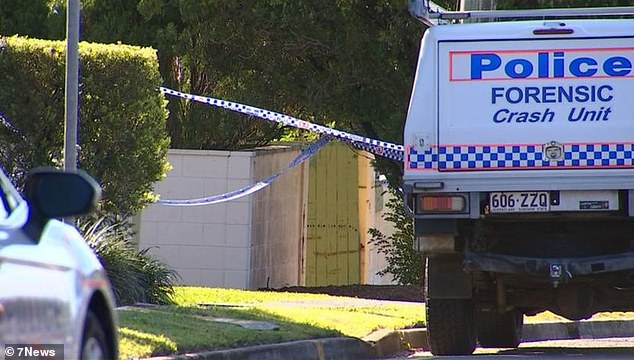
column 135, row 275
column 27, row 18
column 404, row 262
column 122, row 116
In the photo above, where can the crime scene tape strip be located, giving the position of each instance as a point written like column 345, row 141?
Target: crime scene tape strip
column 378, row 147
column 248, row 190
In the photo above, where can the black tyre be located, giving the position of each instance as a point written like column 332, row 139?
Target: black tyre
column 93, row 343
column 451, row 326
column 500, row 330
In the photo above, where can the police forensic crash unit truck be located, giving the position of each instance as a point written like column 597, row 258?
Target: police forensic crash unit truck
column 519, row 169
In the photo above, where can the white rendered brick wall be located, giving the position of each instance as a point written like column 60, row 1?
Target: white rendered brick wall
column 207, row 245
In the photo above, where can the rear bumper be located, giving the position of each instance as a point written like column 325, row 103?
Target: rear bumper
column 543, row 267
column 520, row 180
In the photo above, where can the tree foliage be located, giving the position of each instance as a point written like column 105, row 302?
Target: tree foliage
column 27, row 18
column 350, row 61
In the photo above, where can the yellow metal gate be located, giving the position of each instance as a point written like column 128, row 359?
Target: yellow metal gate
column 333, row 241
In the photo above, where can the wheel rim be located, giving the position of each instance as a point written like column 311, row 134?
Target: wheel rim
column 92, row 350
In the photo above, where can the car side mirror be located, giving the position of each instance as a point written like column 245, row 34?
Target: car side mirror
column 53, row 193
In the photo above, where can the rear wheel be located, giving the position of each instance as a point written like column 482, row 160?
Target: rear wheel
column 451, row 326
column 500, row 330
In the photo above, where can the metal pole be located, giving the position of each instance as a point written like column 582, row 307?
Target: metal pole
column 72, row 85
column 466, row 5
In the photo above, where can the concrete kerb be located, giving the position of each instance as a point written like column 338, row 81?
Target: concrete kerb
column 389, row 342
column 316, row 349
column 584, row 329
column 379, row 344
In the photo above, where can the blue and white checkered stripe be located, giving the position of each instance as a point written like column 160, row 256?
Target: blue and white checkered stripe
column 378, row 147
column 495, row 157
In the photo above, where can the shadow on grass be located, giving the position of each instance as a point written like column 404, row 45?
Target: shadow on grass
column 193, row 328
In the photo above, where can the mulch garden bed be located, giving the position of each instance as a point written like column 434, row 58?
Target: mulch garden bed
column 378, row 292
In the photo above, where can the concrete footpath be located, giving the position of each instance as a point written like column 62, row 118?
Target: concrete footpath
column 385, row 343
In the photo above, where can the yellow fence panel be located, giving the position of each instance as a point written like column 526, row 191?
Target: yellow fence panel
column 333, row 241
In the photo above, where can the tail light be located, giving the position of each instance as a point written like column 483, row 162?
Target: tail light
column 441, row 203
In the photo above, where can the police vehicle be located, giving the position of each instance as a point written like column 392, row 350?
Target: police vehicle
column 519, row 169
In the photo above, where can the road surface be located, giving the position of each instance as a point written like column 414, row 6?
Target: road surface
column 584, row 349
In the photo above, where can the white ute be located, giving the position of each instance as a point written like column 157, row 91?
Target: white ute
column 519, row 169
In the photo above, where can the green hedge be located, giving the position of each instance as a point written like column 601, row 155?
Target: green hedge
column 122, row 134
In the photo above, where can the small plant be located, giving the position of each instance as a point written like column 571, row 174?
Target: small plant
column 403, row 261
column 135, row 275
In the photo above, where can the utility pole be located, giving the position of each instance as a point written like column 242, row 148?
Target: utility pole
column 72, row 85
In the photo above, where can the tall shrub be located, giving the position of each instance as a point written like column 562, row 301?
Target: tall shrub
column 122, row 135
column 404, row 262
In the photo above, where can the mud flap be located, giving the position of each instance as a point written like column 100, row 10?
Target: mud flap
column 445, row 278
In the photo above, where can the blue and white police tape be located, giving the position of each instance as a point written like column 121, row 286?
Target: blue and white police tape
column 248, row 190
column 378, row 147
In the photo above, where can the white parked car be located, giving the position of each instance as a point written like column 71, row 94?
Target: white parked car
column 54, row 293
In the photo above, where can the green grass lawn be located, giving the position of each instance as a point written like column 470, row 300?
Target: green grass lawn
column 547, row 316
column 189, row 326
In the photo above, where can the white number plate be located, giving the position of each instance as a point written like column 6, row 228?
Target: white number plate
column 519, row 201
